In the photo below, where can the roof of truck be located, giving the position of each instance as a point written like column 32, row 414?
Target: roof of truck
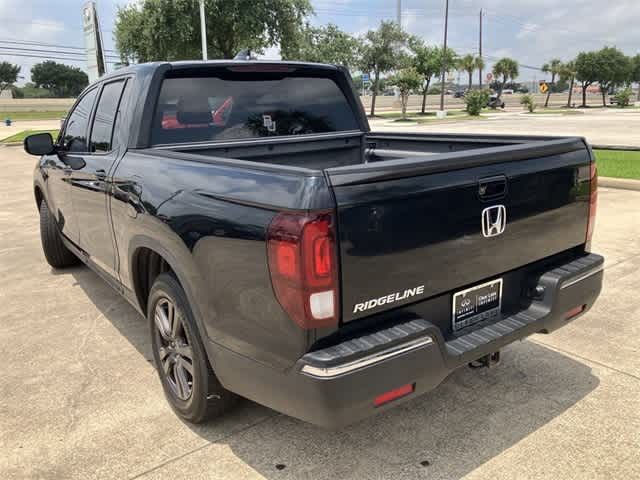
column 190, row 64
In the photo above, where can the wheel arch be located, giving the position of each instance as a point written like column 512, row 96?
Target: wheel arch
column 148, row 258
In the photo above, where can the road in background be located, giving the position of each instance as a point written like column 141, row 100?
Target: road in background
column 79, row 397
column 609, row 126
column 512, row 101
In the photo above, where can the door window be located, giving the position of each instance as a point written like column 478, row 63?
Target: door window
column 75, row 135
column 102, row 131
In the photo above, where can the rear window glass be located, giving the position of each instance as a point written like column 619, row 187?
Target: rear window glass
column 242, row 106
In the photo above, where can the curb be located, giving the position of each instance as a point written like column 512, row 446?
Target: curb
column 619, row 183
column 11, row 144
column 616, row 147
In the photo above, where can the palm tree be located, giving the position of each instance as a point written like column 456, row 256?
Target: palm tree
column 554, row 67
column 568, row 74
column 470, row 63
column 466, row 63
column 506, row 69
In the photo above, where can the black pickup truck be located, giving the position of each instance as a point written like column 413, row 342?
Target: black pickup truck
column 283, row 252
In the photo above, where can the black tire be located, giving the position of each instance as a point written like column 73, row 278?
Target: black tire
column 207, row 398
column 56, row 253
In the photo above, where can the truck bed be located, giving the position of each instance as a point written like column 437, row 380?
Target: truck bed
column 410, row 205
column 354, row 149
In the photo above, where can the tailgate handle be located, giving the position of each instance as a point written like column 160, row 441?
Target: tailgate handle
column 492, row 188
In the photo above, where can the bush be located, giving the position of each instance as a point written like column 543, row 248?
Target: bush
column 476, row 100
column 529, row 102
column 623, row 97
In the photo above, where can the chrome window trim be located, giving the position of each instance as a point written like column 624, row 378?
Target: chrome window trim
column 337, row 370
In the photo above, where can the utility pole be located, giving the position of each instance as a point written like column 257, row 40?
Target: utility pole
column 399, row 12
column 480, row 50
column 203, row 31
column 444, row 53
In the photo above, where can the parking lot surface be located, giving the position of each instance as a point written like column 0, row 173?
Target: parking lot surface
column 79, row 397
column 600, row 126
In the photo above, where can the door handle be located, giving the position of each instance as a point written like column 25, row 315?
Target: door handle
column 101, row 174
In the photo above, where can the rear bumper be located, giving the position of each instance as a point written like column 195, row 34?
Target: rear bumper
column 336, row 386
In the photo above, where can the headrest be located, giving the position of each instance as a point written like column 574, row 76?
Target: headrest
column 193, row 110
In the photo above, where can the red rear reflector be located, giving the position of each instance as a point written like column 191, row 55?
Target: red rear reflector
column 574, row 311
column 394, row 394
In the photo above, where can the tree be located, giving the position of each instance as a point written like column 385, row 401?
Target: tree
column 614, row 69
column 428, row 62
column 568, row 74
column 406, row 80
column 635, row 72
column 469, row 64
column 587, row 72
column 381, row 51
column 62, row 80
column 170, row 29
column 504, row 70
column 326, row 44
column 554, row 67
column 8, row 75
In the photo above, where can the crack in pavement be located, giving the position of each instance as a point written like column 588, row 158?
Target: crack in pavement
column 202, row 447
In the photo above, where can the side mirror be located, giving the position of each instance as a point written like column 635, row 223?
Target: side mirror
column 39, row 144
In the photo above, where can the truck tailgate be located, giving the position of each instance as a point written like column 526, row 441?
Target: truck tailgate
column 413, row 229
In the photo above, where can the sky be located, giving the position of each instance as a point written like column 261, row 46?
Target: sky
column 532, row 31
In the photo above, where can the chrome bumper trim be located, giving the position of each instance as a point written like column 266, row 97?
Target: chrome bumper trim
column 337, row 370
column 582, row 277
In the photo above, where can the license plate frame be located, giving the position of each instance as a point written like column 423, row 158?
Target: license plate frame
column 479, row 304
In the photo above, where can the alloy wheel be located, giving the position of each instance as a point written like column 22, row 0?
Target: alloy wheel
column 174, row 351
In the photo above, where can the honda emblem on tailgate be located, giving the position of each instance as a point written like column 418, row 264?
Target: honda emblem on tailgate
column 494, row 221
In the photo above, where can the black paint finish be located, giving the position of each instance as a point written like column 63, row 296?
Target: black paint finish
column 205, row 209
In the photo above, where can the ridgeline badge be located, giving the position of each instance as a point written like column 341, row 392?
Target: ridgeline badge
column 391, row 298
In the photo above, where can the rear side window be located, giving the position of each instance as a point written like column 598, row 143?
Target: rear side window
column 75, row 134
column 248, row 105
column 102, row 131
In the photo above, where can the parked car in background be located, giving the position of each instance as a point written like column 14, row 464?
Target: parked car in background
column 495, row 102
column 459, row 93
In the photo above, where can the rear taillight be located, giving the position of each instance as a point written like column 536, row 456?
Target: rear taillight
column 593, row 203
column 304, row 268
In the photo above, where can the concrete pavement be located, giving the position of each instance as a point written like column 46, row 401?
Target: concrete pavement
column 79, row 397
column 21, row 125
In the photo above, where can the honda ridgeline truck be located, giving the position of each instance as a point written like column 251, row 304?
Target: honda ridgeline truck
column 283, row 252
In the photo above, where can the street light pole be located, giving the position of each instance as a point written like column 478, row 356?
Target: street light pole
column 480, row 51
column 444, row 54
column 203, row 31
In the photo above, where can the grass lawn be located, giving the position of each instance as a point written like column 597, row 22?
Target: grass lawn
column 33, row 115
column 427, row 117
column 618, row 164
column 19, row 137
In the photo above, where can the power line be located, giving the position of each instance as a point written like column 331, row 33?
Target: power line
column 66, row 59
column 53, row 52
column 42, row 44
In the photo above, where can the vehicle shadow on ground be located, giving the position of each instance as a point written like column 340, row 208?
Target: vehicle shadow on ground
column 473, row 416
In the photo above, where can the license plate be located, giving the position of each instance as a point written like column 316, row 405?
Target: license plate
column 476, row 304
